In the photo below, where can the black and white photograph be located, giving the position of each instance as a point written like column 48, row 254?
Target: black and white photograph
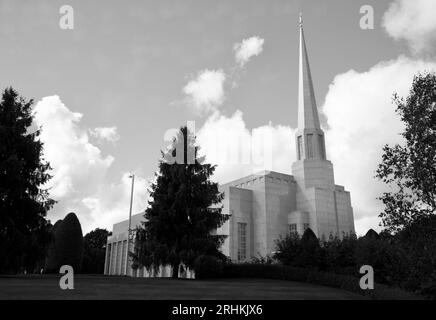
column 233, row 151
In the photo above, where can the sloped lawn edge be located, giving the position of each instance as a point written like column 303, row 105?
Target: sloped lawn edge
column 345, row 282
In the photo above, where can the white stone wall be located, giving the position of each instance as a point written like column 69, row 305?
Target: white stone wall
column 306, row 203
column 325, row 213
column 259, row 218
column 122, row 226
column 263, row 201
column 299, row 218
column 240, row 208
column 327, row 204
column 280, row 201
column 345, row 212
column 116, row 255
column 314, row 173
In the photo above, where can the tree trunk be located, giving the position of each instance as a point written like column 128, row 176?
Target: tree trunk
column 175, row 272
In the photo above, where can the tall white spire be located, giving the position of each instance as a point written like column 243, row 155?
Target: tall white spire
column 307, row 110
column 309, row 136
column 325, row 206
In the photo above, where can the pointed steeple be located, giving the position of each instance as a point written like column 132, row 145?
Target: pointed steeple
column 309, row 136
column 307, row 110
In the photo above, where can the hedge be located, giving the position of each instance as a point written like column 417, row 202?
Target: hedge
column 207, row 267
column 67, row 246
column 345, row 282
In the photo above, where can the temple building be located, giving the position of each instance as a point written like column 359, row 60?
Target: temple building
column 267, row 205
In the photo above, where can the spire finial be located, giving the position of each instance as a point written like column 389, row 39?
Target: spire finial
column 301, row 19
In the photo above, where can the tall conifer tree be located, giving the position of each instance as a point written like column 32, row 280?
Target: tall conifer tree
column 23, row 200
column 184, row 211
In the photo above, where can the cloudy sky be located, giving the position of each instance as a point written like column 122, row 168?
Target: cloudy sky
column 110, row 92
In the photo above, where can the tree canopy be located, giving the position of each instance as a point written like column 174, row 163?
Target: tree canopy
column 23, row 200
column 184, row 210
column 94, row 251
column 67, row 246
column 410, row 169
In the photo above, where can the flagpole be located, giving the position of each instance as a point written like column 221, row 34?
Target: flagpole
column 130, row 223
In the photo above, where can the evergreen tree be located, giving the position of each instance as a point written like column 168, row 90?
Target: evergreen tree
column 410, row 169
column 304, row 251
column 311, row 254
column 184, row 210
column 67, row 246
column 23, row 172
column 94, row 251
column 51, row 260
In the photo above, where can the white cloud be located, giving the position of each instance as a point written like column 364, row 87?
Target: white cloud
column 75, row 161
column 238, row 151
column 79, row 182
column 413, row 21
column 361, row 119
column 205, row 93
column 247, row 49
column 108, row 134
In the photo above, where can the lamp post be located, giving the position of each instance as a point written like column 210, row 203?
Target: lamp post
column 129, row 231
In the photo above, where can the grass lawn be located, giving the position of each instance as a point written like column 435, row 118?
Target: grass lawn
column 111, row 287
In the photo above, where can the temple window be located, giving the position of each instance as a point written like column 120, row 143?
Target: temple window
column 300, row 146
column 321, row 147
column 310, row 146
column 242, row 241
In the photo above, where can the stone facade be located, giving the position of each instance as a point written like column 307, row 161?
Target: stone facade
column 272, row 204
column 261, row 202
column 267, row 205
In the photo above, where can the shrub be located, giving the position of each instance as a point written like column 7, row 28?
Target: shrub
column 339, row 254
column 288, row 248
column 206, row 266
column 429, row 289
column 311, row 254
column 418, row 241
column 386, row 257
column 94, row 251
column 304, row 252
column 67, row 248
column 51, row 261
column 262, row 259
column 406, row 259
